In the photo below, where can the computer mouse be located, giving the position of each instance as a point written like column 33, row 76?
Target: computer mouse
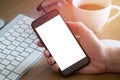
column 2, row 23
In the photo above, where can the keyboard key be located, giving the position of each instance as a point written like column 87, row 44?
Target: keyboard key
column 16, row 26
column 6, row 34
column 24, row 26
column 5, row 62
column 20, row 49
column 36, row 40
column 6, row 42
column 32, row 36
column 2, row 56
column 6, row 79
column 25, row 18
column 24, row 54
column 21, row 39
column 11, row 38
column 5, row 72
column 2, row 77
column 20, row 58
column 2, row 46
column 29, row 21
column 11, row 47
column 25, row 35
column 20, row 22
column 33, row 45
column 2, row 38
column 24, row 44
column 13, row 76
column 2, row 66
column 10, row 57
column 29, row 31
column 27, row 40
column 37, row 52
column 7, row 51
column 26, row 62
column 20, row 30
column 15, row 34
column 28, row 49
column 0, row 60
column 15, row 53
column 15, row 63
column 10, row 67
column 16, row 43
column 11, row 30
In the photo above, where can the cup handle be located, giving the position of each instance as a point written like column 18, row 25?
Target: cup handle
column 117, row 14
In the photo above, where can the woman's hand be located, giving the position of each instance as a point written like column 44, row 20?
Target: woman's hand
column 92, row 46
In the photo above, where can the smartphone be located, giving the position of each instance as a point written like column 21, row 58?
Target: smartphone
column 58, row 39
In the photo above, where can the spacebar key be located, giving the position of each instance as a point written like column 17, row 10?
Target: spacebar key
column 27, row 63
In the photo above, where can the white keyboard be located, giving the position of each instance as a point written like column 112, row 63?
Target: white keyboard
column 18, row 49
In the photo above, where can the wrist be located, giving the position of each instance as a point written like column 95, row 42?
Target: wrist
column 112, row 59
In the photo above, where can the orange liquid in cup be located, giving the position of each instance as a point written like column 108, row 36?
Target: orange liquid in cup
column 91, row 7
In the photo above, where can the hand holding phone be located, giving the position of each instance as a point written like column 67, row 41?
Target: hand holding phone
column 60, row 42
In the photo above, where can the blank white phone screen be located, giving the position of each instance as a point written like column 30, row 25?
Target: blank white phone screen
column 60, row 42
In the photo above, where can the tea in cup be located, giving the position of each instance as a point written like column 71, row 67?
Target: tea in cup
column 93, row 13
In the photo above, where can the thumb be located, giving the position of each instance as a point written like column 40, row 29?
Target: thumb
column 83, row 33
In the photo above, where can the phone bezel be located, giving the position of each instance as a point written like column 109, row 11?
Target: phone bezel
column 47, row 17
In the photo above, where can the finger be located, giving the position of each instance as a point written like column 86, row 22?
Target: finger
column 50, row 60
column 46, row 53
column 40, row 44
column 55, row 68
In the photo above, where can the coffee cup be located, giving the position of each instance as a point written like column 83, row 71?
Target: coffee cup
column 94, row 13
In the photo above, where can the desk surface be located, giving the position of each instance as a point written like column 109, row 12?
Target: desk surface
column 41, row 71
